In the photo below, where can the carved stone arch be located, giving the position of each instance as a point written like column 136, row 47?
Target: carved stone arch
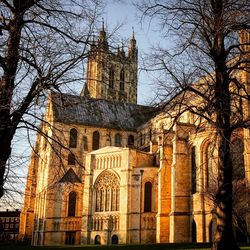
column 207, row 151
column 107, row 192
column 73, row 136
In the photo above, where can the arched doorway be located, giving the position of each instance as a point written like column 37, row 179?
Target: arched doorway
column 97, row 240
column 114, row 239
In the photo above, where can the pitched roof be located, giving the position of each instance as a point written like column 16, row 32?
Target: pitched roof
column 72, row 109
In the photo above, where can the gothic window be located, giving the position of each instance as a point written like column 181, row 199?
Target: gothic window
column 193, row 165
column 111, row 77
column 122, row 80
column 96, row 140
column 148, row 197
column 107, row 192
column 73, row 138
column 131, row 140
column 118, row 140
column 71, row 159
column 85, row 143
column 72, row 204
column 237, row 155
column 209, row 165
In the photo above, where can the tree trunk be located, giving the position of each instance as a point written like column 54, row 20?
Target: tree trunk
column 5, row 151
column 7, row 85
column 224, row 237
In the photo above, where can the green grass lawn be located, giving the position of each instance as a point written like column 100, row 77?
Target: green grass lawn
column 119, row 247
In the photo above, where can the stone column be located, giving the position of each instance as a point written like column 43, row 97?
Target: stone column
column 180, row 223
column 164, row 194
column 87, row 202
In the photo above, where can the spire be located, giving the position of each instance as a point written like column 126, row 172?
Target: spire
column 132, row 46
column 102, row 40
column 102, row 24
column 85, row 90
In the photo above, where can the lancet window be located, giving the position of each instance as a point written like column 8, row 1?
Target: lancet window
column 85, row 143
column 209, row 165
column 111, row 77
column 148, row 197
column 73, row 138
column 107, row 192
column 194, row 177
column 96, row 140
column 72, row 204
column 122, row 80
column 118, row 140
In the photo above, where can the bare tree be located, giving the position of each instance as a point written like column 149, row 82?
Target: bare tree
column 42, row 47
column 203, row 68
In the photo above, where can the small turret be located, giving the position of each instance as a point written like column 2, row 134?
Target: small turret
column 102, row 40
column 132, row 52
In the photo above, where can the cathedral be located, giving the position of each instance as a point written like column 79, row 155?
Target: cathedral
column 106, row 170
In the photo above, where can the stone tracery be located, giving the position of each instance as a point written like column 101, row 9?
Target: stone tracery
column 107, row 192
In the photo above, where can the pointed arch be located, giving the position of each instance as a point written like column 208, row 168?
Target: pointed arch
column 209, row 158
column 107, row 192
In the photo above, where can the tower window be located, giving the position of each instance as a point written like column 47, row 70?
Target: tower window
column 118, row 140
column 193, row 162
column 122, row 80
column 148, row 197
column 72, row 204
column 96, row 140
column 73, row 138
column 111, row 78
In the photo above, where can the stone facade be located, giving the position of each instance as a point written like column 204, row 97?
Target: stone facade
column 112, row 172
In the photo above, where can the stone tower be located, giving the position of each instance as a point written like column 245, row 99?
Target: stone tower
column 112, row 75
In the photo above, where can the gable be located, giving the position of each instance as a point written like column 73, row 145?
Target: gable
column 70, row 176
